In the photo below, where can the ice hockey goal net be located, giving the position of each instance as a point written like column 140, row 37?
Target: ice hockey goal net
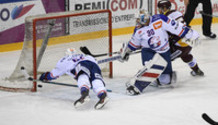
column 48, row 36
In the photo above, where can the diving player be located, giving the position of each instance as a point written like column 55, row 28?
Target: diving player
column 85, row 70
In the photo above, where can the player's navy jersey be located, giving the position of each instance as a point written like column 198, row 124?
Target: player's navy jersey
column 155, row 35
column 68, row 63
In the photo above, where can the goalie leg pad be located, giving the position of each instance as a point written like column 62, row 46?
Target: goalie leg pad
column 141, row 85
column 167, row 58
column 148, row 54
column 149, row 73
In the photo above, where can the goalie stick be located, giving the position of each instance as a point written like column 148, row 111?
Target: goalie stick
column 85, row 50
column 201, row 12
column 27, row 76
column 208, row 119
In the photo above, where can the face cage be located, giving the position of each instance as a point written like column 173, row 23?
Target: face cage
column 161, row 10
column 141, row 20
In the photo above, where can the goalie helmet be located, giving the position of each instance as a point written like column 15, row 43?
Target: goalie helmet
column 164, row 4
column 70, row 51
column 142, row 17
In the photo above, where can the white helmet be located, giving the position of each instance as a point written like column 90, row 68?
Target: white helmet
column 70, row 51
column 142, row 17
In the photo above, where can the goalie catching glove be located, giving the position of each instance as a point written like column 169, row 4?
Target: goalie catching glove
column 125, row 52
column 192, row 38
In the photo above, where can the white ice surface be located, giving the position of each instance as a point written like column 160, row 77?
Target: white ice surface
column 183, row 105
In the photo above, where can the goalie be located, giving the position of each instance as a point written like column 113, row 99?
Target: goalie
column 151, row 36
column 87, row 73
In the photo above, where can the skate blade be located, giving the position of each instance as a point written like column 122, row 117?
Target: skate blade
column 79, row 105
column 101, row 105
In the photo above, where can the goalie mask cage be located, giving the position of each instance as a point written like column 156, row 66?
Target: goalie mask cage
column 48, row 36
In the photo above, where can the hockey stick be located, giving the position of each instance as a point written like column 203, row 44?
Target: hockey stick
column 201, row 12
column 27, row 76
column 109, row 59
column 113, row 58
column 85, row 50
column 51, row 24
column 208, row 119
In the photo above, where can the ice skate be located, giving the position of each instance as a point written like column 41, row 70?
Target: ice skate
column 103, row 99
column 198, row 72
column 172, row 83
column 132, row 90
column 156, row 83
column 83, row 99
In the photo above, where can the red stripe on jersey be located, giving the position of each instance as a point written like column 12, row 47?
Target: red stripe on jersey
column 181, row 32
column 135, row 46
column 168, row 21
column 153, row 75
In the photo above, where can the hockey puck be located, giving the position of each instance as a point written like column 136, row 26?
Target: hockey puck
column 22, row 68
column 40, row 86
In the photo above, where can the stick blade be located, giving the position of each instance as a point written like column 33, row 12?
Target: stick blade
column 85, row 50
column 208, row 119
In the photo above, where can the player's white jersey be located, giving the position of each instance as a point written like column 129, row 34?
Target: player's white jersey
column 155, row 35
column 176, row 15
column 68, row 63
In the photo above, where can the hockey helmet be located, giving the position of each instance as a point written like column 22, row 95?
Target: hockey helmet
column 70, row 51
column 142, row 17
column 164, row 4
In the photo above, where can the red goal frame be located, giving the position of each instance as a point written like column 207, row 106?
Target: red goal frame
column 34, row 88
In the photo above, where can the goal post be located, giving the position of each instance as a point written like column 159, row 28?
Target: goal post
column 48, row 36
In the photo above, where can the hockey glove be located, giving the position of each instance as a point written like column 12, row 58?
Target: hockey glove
column 44, row 77
column 192, row 38
column 124, row 52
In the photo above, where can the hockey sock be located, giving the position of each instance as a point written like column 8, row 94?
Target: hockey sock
column 84, row 90
column 102, row 93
